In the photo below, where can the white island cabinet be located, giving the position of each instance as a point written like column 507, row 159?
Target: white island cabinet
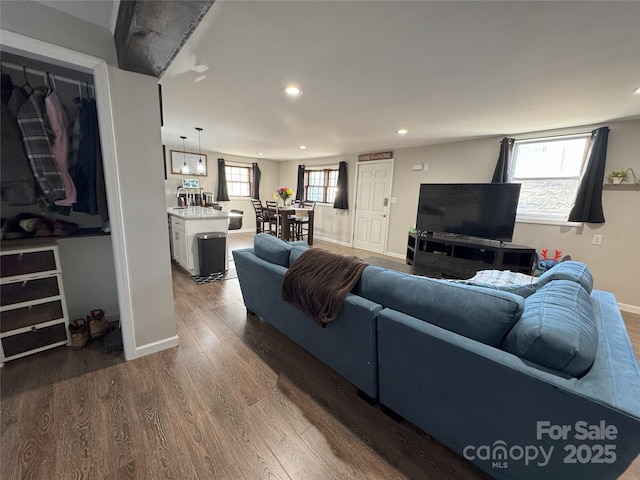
column 186, row 223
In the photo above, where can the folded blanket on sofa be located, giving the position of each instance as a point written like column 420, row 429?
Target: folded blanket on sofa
column 318, row 282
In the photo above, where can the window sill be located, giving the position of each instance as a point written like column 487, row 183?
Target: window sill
column 548, row 221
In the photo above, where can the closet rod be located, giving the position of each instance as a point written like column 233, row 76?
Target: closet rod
column 41, row 73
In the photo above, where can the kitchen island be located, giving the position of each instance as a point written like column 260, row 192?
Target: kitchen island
column 186, row 224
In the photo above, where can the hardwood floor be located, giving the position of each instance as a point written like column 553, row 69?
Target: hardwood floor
column 236, row 400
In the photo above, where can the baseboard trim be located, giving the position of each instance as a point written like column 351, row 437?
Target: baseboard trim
column 331, row 240
column 242, row 230
column 629, row 308
column 158, row 346
column 395, row 255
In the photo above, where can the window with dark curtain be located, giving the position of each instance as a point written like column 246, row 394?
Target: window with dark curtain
column 222, row 194
column 255, row 194
column 341, row 201
column 588, row 206
column 501, row 173
column 300, row 184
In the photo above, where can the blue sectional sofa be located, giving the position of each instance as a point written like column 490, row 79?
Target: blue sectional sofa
column 527, row 382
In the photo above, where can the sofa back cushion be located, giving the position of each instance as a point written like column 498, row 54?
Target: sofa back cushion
column 297, row 249
column 482, row 314
column 557, row 329
column 570, row 270
column 272, row 249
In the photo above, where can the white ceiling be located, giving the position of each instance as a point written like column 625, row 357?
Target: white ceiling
column 445, row 71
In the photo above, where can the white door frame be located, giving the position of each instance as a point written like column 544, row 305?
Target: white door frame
column 390, row 161
column 47, row 52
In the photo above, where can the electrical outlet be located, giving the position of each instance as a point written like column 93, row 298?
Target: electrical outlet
column 597, row 240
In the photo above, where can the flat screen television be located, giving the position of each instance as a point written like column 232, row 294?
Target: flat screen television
column 484, row 210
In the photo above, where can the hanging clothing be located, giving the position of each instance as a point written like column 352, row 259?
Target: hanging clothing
column 17, row 181
column 37, row 137
column 91, row 197
column 60, row 148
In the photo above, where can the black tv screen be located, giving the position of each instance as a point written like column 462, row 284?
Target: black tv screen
column 484, row 210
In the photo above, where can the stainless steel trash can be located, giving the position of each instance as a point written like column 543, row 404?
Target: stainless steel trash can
column 212, row 250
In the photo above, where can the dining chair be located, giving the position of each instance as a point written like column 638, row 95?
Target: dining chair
column 271, row 217
column 302, row 222
column 260, row 215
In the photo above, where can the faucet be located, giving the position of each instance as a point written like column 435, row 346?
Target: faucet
column 186, row 193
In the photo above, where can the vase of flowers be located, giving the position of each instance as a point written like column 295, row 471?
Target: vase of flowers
column 283, row 194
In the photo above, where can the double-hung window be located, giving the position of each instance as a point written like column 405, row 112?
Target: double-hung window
column 549, row 171
column 321, row 185
column 238, row 181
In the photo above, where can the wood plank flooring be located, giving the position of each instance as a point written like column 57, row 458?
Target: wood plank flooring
column 236, row 400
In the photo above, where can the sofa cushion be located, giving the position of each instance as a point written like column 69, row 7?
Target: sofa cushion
column 557, row 329
column 483, row 314
column 570, row 270
column 296, row 251
column 272, row 249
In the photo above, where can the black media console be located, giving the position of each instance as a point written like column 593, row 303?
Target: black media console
column 450, row 256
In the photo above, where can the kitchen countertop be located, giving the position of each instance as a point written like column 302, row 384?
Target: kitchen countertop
column 200, row 213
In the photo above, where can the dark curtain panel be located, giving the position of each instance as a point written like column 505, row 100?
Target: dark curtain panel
column 341, row 201
column 501, row 173
column 300, row 184
column 588, row 206
column 256, row 182
column 222, row 195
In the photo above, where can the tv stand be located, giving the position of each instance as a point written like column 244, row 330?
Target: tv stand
column 455, row 257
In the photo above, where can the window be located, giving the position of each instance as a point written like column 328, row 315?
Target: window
column 238, row 181
column 320, row 185
column 549, row 171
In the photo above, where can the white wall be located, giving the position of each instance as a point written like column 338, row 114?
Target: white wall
column 36, row 20
column 615, row 264
column 95, row 286
column 136, row 121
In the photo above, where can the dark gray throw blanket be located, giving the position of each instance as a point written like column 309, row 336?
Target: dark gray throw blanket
column 318, row 282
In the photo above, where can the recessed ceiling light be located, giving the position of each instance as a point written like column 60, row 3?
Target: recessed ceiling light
column 260, row 154
column 402, row 131
column 292, row 91
column 637, row 91
column 303, row 147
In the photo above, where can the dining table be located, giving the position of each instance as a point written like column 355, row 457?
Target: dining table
column 286, row 218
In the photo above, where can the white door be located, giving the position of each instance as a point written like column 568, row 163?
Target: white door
column 372, row 206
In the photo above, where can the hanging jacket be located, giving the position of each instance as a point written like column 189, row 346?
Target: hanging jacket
column 60, row 148
column 37, row 139
column 17, row 183
column 85, row 172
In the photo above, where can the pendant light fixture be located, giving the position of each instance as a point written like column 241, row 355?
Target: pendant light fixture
column 201, row 166
column 185, row 168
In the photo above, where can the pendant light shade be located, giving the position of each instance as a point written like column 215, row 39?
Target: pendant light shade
column 185, row 168
column 201, row 166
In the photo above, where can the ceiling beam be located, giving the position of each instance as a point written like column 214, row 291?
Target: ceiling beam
column 149, row 33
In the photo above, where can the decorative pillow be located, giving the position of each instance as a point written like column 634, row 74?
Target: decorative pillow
column 569, row 270
column 272, row 249
column 557, row 329
column 483, row 314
